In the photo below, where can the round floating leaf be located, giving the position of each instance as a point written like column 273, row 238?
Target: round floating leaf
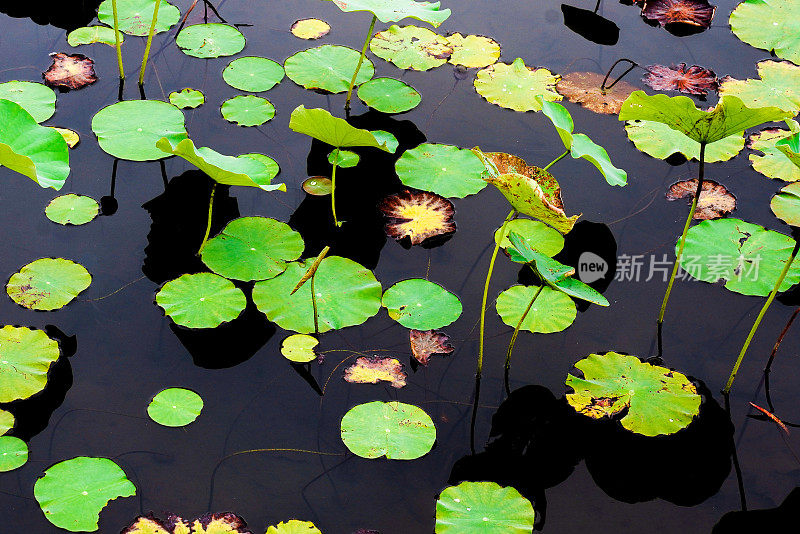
column 552, row 311
column 210, row 40
column 392, row 429
column 537, row 235
column 253, row 74
column 327, row 68
column 660, row 141
column 318, row 186
column 411, row 47
column 773, row 163
column 136, row 16
column 748, row 257
column 786, row 204
column 201, row 300
column 299, row 348
column 13, row 453
column 426, row 343
column 483, row 508
column 70, row 136
column 446, row 170
column 175, row 407
column 130, row 129
column 655, row 399
column 418, row 216
column 25, row 358
column 516, row 86
column 6, row 420
column 72, row 493
column 473, row 51
column 252, row 248
column 343, row 158
column 72, row 209
column 715, row 201
column 388, row 95
column 35, row 98
column 70, row 72
column 347, row 294
column 48, row 283
column 247, row 110
column 187, row 98
column 294, row 527
column 773, row 25
column 421, row 305
column 310, row 29
column 584, row 88
column 694, row 80
column 687, row 15
column 94, row 34
column 779, row 86
column 397, row 10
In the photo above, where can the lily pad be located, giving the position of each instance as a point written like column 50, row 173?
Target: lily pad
column 397, row 10
column 347, row 294
column 247, row 110
column 654, row 399
column 72, row 493
column 393, row 429
column 694, row 80
column 318, row 186
column 130, row 129
column 299, row 348
column 778, row 86
column 786, row 204
column 6, row 420
column 252, row 248
column 446, row 170
column 26, row 355
column 74, row 71
column 552, row 311
column 187, row 98
column 516, row 86
column 374, row 370
column 320, row 124
column 35, row 98
column 679, row 14
column 473, row 51
column 426, row 343
column 421, row 305
column 210, row 40
column 211, row 523
column 70, row 136
column 584, row 88
column 343, row 158
column 773, row 25
column 48, row 283
column 417, row 216
column 202, row 300
column 13, row 453
column 388, row 95
column 72, row 209
column 253, row 74
column 175, row 407
column 483, row 508
column 310, row 29
column 790, row 146
column 136, row 16
column 660, row 141
column 327, row 68
column 537, row 234
column 773, row 163
column 294, row 526
column 386, row 138
column 715, row 201
column 94, row 34
column 411, row 47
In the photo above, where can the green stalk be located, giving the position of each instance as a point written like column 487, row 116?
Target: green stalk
column 519, row 324
column 333, row 193
column 208, row 226
column 759, row 318
column 116, row 38
column 360, row 61
column 555, row 160
column 149, row 42
column 314, row 305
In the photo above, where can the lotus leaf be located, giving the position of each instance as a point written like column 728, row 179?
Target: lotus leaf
column 175, row 407
column 187, row 98
column 790, row 146
column 247, row 110
column 538, row 235
column 210, row 40
column 310, row 29
column 516, row 86
column 411, row 47
column 421, row 305
column 773, row 163
column 446, row 170
column 697, row 14
column 72, row 209
column 483, row 508
column 585, row 88
column 547, row 268
column 294, row 526
column 73, row 492
column 773, row 25
column 38, row 152
column 660, row 141
column 211, row 523
column 13, row 453
column 6, row 421
column 473, row 51
column 694, row 80
column 202, row 300
column 93, row 34
column 299, row 348
column 48, row 283
column 320, row 124
column 426, row 343
column 779, row 87
column 748, row 257
column 327, row 68
column 130, row 129
column 386, row 138
column 374, row 370
column 252, row 248
column 655, row 400
column 347, row 294
column 26, row 355
column 343, row 158
column 253, row 74
column 70, row 71
column 397, row 10
column 35, row 98
column 136, row 16
column 418, row 216
column 393, row 429
column 70, row 136
column 714, row 202
column 553, row 311
column 786, row 204
column 318, row 186
column 388, row 95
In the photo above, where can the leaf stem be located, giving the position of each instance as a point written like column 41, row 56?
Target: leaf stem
column 333, row 193
column 116, row 39
column 358, row 67
column 603, row 87
column 149, row 42
column 519, row 325
column 555, row 160
column 208, row 226
column 314, row 305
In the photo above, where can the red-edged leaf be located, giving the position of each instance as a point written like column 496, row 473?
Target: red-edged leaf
column 771, row 416
column 694, row 80
column 373, row 370
column 417, row 216
column 70, row 72
column 697, row 13
column 425, row 343
column 715, row 201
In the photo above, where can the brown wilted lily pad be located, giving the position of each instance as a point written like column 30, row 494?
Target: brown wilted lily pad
column 418, row 216
column 679, row 16
column 70, row 72
column 220, row 523
column 584, row 88
column 374, row 370
column 426, row 343
column 694, row 80
column 715, row 201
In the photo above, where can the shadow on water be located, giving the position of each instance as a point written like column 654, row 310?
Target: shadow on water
column 767, row 520
column 68, row 15
column 590, row 25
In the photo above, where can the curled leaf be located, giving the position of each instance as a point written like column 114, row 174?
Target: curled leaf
column 417, row 216
column 694, row 80
column 715, row 201
column 584, row 88
column 374, row 370
column 70, row 72
column 426, row 343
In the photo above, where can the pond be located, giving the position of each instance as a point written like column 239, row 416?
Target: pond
column 268, row 443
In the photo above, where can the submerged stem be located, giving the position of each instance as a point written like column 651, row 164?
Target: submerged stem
column 358, row 67
column 116, row 39
column 208, row 226
column 149, row 42
column 333, row 194
column 555, row 160
column 519, row 325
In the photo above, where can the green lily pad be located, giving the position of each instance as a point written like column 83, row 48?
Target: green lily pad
column 537, row 234
column 187, row 98
column 252, row 248
column 388, row 95
column 655, row 400
column 94, row 34
column 72, row 209
column 6, row 420
column 421, row 305
column 397, row 10
column 516, row 86
column 253, row 74
column 247, row 110
column 446, row 170
column 26, row 355
column 786, row 204
column 790, row 146
column 347, row 294
column 299, row 348
column 773, row 163
column 294, row 526
column 773, row 25
column 327, row 68
column 38, row 152
column 748, row 257
column 73, row 492
column 130, row 129
column 136, row 16
column 660, row 141
column 320, row 124
column 411, row 47
column 552, row 311
column 483, row 508
column 343, row 158
column 386, row 138
column 13, row 453
column 202, row 300
column 48, row 283
column 210, row 40
column 319, row 186
column 778, row 87
column 35, row 98
column 175, row 407
column 473, row 51
column 393, row 429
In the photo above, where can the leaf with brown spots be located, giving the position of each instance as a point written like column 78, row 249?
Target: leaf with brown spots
column 374, row 370
column 426, row 343
column 694, row 80
column 679, row 16
column 70, row 72
column 584, row 88
column 417, row 216
column 715, row 201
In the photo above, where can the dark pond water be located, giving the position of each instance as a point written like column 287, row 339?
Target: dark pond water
column 582, row 478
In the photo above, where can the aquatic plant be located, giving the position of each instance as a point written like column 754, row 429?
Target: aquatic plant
column 210, row 523
column 27, row 355
column 175, row 407
column 394, row 429
column 421, row 305
column 299, row 348
column 485, row 508
column 72, row 209
column 48, row 284
column 201, row 300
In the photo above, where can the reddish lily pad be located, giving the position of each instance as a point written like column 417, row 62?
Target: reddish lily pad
column 417, row 216
column 426, row 343
column 715, row 201
column 584, row 88
column 70, row 72
column 219, row 523
column 319, row 186
column 374, row 370
column 679, row 16
column 694, row 80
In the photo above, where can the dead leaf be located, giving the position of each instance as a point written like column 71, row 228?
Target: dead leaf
column 425, row 343
column 221, row 523
column 584, row 88
column 694, row 80
column 697, row 14
column 70, row 72
column 418, row 216
column 715, row 201
column 373, row 370
column 771, row 416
